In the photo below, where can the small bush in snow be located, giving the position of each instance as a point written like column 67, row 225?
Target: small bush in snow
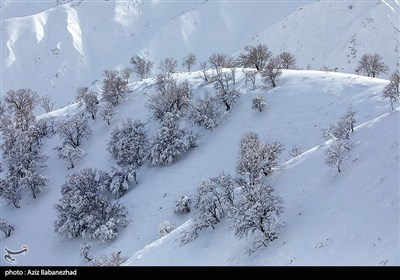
column 115, row 259
column 259, row 103
column 296, row 151
column 165, row 227
column 85, row 250
column 182, row 204
column 6, row 227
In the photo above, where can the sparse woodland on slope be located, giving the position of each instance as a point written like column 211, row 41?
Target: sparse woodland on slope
column 251, row 148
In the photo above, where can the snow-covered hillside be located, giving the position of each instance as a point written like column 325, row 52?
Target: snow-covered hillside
column 54, row 49
column 346, row 218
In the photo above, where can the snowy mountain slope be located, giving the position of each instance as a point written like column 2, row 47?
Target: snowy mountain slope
column 71, row 45
column 332, row 219
column 360, row 27
column 304, row 103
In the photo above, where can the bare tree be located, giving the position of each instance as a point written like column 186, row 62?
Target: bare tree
column 46, row 103
column 271, row 72
column 115, row 86
column 126, row 73
column 255, row 56
column 392, row 90
column 168, row 66
column 73, row 131
column 220, row 60
column 203, row 68
column 90, row 99
column 371, row 65
column 189, row 61
column 142, row 67
column 287, row 60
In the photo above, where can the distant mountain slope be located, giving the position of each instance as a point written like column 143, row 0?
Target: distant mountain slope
column 56, row 48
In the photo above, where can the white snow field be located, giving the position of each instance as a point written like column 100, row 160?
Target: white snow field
column 349, row 218
column 346, row 218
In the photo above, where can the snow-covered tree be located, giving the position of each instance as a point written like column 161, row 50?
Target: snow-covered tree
column 338, row 153
column 182, row 204
column 23, row 156
column 141, row 66
column 250, row 76
column 107, row 112
column 250, row 163
column 188, row 61
column 371, row 65
column 392, row 90
column 73, row 131
column 173, row 98
column 343, row 128
column 168, row 67
column 90, row 99
column 114, row 87
column 165, row 227
column 6, row 227
column 128, row 144
column 170, row 143
column 70, row 154
column 228, row 97
column 271, row 72
column 255, row 56
column 21, row 103
column 287, row 60
column 212, row 201
column 117, row 181
column 10, row 190
column 84, row 210
column 207, row 112
column 259, row 103
column 258, row 214
column 257, row 159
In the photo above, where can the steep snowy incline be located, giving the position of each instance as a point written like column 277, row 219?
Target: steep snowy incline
column 71, row 45
column 298, row 109
column 351, row 218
